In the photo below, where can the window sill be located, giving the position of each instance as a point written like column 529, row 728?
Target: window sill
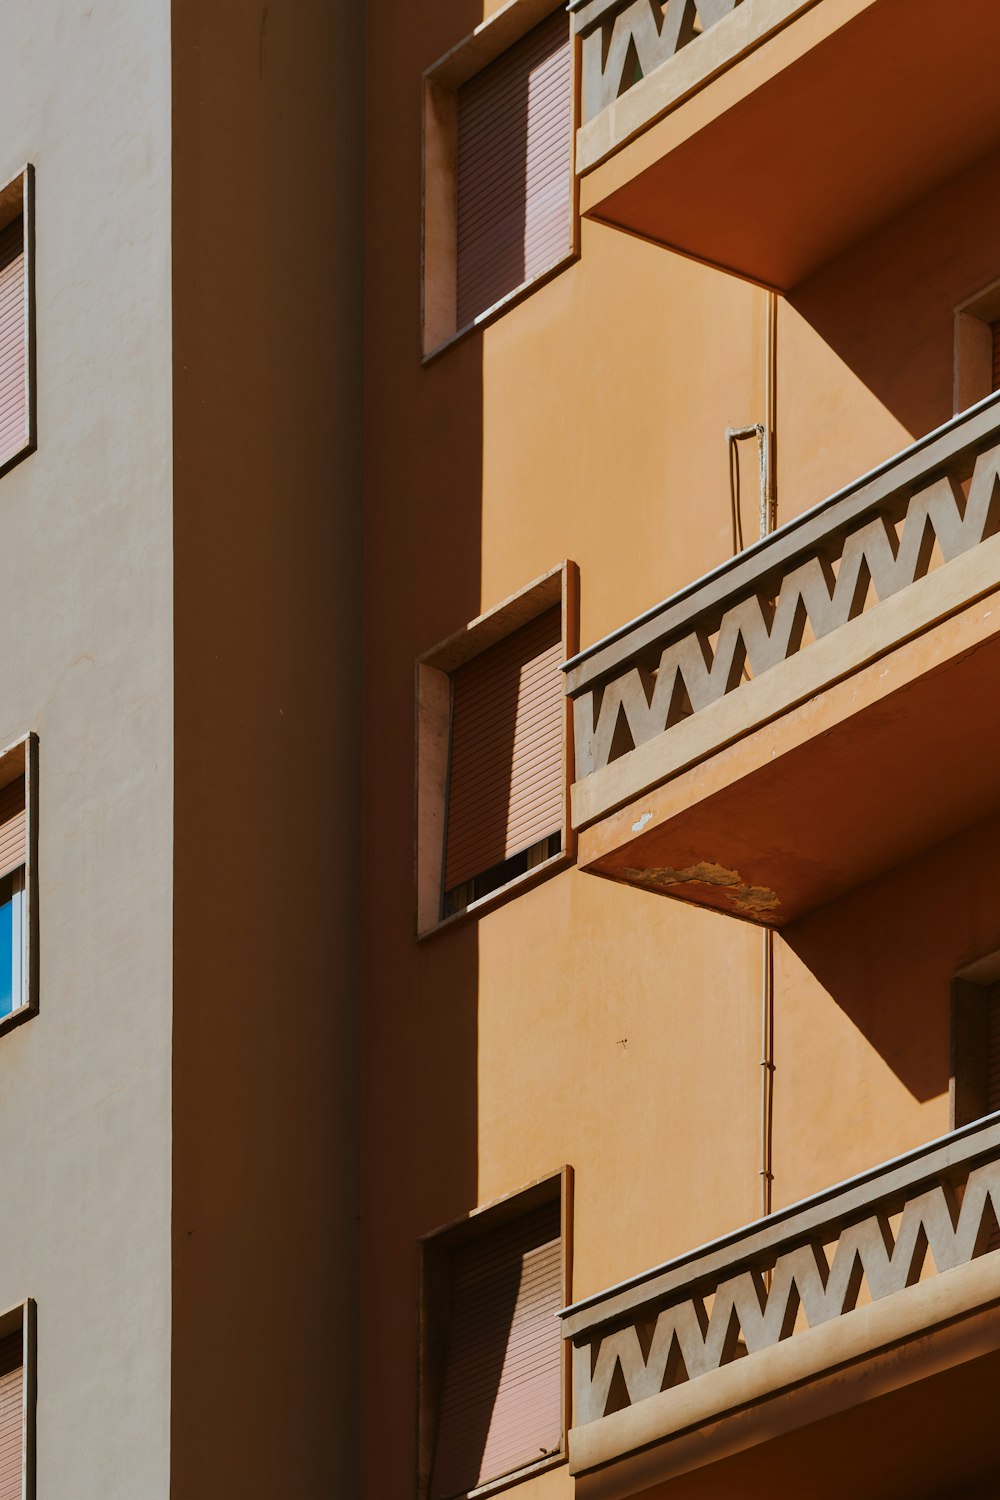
column 491, row 314
column 551, row 1461
column 16, row 1017
column 503, row 893
column 26, row 449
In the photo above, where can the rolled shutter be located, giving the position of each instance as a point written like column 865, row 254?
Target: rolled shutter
column 11, row 1417
column 13, row 827
column 501, row 1404
column 13, row 394
column 514, row 175
column 505, row 785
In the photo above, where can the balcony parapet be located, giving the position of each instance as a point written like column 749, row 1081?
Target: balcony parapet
column 829, row 593
column 808, row 1290
column 636, row 63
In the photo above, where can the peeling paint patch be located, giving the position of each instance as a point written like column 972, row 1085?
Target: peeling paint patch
column 638, row 827
column 742, row 897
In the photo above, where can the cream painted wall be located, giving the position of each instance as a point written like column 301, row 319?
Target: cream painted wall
column 85, row 572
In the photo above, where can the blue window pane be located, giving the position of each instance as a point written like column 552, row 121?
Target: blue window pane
column 6, row 947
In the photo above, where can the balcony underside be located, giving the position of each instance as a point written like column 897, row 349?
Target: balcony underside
column 890, row 761
column 805, row 145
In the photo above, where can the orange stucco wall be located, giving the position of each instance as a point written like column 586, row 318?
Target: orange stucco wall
column 582, row 1022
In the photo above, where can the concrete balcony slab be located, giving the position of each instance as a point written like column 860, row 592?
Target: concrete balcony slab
column 785, row 130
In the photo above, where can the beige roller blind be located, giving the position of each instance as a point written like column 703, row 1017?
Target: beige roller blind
column 514, row 174
column 505, row 783
column 501, row 1403
column 13, row 398
column 13, row 827
column 11, row 1417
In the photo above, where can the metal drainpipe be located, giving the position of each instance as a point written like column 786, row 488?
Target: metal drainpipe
column 768, row 520
column 764, row 434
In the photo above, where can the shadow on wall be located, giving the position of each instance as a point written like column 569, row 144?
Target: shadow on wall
column 423, row 577
column 887, row 952
column 887, row 306
column 274, row 840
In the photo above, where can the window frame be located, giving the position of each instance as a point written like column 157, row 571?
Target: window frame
column 439, row 328
column 23, row 1318
column 973, row 374
column 21, row 759
column 17, row 883
column 17, row 197
column 559, row 586
column 973, row 990
column 432, row 1325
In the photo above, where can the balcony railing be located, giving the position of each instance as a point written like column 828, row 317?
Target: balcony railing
column 618, row 34
column 625, row 45
column 882, row 1259
column 830, row 592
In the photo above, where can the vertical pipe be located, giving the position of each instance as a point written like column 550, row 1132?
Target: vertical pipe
column 768, row 520
column 769, row 497
column 766, row 1070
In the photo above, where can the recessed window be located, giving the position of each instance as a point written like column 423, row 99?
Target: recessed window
column 493, row 749
column 17, row 884
column 17, row 1402
column 975, row 1069
column 499, row 193
column 505, row 777
column 493, row 1365
column 16, row 321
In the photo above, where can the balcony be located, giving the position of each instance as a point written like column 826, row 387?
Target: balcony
column 873, row 1287
column 817, row 710
column 767, row 136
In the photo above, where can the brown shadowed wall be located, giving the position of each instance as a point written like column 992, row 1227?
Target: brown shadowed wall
column 266, row 323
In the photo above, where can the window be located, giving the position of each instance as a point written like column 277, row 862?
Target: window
column 17, row 908
column 16, row 321
column 17, row 1402
column 493, row 752
column 977, row 348
column 499, row 205
column 505, row 778
column 975, row 1030
column 493, row 1364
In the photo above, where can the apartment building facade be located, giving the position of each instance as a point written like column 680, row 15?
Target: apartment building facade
column 681, row 1172
column 506, row 493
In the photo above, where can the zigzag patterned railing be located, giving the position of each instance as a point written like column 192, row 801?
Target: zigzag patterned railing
column 624, row 40
column 792, row 1273
column 806, row 580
